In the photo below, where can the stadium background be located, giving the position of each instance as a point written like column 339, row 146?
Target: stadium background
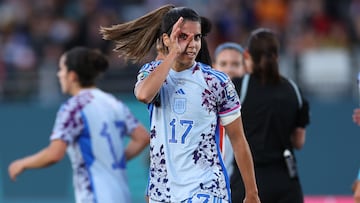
column 320, row 51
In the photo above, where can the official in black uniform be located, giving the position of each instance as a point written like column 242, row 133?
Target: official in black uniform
column 274, row 115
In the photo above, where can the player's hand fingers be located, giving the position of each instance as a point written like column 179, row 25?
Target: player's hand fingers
column 189, row 38
column 177, row 25
column 174, row 37
column 176, row 30
column 15, row 169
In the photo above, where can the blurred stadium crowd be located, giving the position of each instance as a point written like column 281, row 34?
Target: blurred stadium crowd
column 33, row 33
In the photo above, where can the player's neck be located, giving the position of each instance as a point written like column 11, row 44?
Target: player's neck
column 76, row 90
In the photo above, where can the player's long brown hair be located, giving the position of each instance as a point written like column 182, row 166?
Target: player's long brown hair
column 134, row 39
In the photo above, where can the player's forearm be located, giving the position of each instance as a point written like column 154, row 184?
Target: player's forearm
column 139, row 140
column 242, row 155
column 39, row 160
column 132, row 150
column 147, row 89
column 245, row 163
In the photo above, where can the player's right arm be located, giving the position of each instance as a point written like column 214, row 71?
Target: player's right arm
column 149, row 85
column 46, row 157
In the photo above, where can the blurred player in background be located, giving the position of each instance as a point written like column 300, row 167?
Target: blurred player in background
column 90, row 126
column 186, row 98
column 229, row 59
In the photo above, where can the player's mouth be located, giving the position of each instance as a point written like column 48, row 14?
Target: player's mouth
column 190, row 54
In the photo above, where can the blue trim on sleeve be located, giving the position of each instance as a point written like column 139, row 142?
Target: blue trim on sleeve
column 149, row 65
column 220, row 75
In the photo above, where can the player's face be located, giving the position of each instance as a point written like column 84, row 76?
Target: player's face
column 62, row 75
column 230, row 62
column 192, row 48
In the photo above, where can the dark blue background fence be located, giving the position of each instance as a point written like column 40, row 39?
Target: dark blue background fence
column 328, row 163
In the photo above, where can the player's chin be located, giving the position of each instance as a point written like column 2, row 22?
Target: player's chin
column 188, row 60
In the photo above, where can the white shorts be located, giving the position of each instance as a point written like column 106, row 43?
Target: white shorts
column 199, row 198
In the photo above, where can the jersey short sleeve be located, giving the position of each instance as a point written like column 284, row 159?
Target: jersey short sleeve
column 130, row 121
column 146, row 69
column 228, row 102
column 68, row 124
column 222, row 88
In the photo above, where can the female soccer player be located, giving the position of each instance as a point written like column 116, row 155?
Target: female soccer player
column 229, row 59
column 91, row 126
column 186, row 99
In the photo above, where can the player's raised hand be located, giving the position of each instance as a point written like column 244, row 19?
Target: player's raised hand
column 15, row 168
column 173, row 44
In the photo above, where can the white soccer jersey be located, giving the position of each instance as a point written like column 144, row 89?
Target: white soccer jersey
column 93, row 124
column 184, row 130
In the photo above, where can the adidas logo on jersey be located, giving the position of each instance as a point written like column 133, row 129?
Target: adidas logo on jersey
column 180, row 91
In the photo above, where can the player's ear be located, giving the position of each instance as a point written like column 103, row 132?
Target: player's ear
column 72, row 75
column 166, row 39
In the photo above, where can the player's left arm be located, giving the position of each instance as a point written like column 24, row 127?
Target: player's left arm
column 45, row 157
column 243, row 158
column 140, row 138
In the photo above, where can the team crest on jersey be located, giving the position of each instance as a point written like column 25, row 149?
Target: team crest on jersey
column 179, row 105
column 230, row 91
column 142, row 75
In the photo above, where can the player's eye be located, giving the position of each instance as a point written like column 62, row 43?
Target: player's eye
column 222, row 63
column 198, row 37
column 236, row 64
column 183, row 36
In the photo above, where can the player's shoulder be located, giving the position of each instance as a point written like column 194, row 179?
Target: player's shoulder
column 211, row 72
column 78, row 102
column 150, row 65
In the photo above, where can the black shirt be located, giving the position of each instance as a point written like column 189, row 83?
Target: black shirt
column 270, row 113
